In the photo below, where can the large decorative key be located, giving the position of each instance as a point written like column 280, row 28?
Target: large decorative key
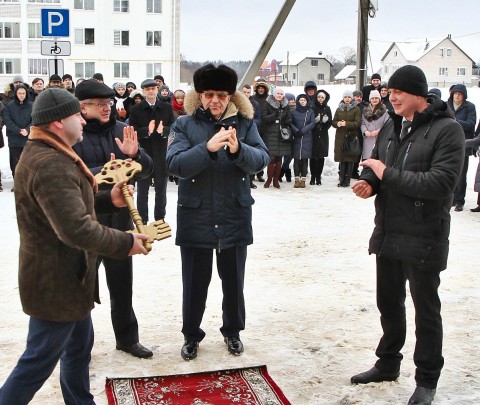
column 118, row 170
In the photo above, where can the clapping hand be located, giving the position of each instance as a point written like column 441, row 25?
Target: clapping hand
column 226, row 138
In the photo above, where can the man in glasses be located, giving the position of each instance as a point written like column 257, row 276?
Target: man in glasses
column 104, row 139
column 214, row 150
column 152, row 118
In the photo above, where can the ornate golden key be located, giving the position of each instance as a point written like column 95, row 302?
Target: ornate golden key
column 118, row 170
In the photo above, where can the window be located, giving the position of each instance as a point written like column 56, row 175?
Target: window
column 86, row 69
column 34, row 30
column 38, row 67
column 442, row 51
column 154, row 38
column 154, row 6
column 395, row 54
column 461, row 71
column 121, row 6
column 84, row 36
column 443, row 71
column 45, row 1
column 154, row 69
column 294, row 76
column 321, row 76
column 9, row 66
column 9, row 30
column 121, row 38
column 449, row 52
column 314, row 62
column 121, row 70
column 84, row 5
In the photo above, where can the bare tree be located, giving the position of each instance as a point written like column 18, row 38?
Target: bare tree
column 349, row 55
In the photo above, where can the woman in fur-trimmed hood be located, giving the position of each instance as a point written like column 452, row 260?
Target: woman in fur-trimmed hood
column 276, row 114
column 213, row 150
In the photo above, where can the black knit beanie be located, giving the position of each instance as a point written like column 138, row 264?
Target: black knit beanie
column 409, row 79
column 54, row 104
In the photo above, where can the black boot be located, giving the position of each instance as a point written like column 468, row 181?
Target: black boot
column 288, row 175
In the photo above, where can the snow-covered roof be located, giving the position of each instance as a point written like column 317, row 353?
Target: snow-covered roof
column 413, row 50
column 346, row 72
column 296, row 57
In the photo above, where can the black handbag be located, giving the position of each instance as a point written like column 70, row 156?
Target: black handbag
column 351, row 145
column 286, row 134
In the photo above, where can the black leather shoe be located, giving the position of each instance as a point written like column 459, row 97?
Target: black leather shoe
column 189, row 350
column 422, row 396
column 459, row 207
column 252, row 185
column 234, row 345
column 373, row 375
column 136, row 350
column 261, row 179
column 476, row 209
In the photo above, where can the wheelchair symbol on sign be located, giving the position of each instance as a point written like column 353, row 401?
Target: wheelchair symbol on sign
column 55, row 49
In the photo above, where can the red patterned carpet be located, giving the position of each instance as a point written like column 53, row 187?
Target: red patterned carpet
column 243, row 386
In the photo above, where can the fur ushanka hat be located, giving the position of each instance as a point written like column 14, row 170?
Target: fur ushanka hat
column 209, row 77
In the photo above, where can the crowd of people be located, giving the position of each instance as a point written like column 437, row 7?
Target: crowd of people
column 213, row 141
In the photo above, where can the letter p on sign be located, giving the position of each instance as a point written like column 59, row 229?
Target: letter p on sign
column 55, row 22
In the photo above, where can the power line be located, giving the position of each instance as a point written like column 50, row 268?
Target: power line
column 411, row 41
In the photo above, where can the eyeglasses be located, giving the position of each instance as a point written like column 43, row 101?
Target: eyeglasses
column 212, row 94
column 102, row 105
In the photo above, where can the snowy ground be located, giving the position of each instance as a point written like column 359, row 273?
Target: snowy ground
column 310, row 295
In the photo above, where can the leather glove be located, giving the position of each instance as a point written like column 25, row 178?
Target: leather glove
column 325, row 119
column 317, row 118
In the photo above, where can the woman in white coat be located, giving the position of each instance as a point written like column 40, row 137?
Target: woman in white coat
column 374, row 116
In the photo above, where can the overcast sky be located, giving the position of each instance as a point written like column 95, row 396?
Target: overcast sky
column 234, row 29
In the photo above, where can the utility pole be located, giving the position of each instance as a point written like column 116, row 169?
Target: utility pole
column 267, row 43
column 362, row 42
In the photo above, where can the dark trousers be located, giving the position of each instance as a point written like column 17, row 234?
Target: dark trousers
column 14, row 157
column 47, row 343
column 119, row 276
column 143, row 187
column 316, row 167
column 391, row 293
column 196, row 277
column 286, row 163
column 300, row 167
column 461, row 189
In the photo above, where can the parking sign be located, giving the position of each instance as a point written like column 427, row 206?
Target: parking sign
column 55, row 22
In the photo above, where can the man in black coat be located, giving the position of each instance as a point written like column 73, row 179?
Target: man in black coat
column 466, row 116
column 105, row 138
column 413, row 170
column 152, row 119
column 374, row 85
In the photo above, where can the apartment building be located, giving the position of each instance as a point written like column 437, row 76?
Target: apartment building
column 125, row 40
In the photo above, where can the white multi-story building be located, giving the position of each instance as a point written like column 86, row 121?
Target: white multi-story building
column 125, row 40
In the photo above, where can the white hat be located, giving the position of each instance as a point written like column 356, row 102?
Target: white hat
column 374, row 93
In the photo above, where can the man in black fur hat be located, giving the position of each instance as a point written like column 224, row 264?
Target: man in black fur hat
column 213, row 150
